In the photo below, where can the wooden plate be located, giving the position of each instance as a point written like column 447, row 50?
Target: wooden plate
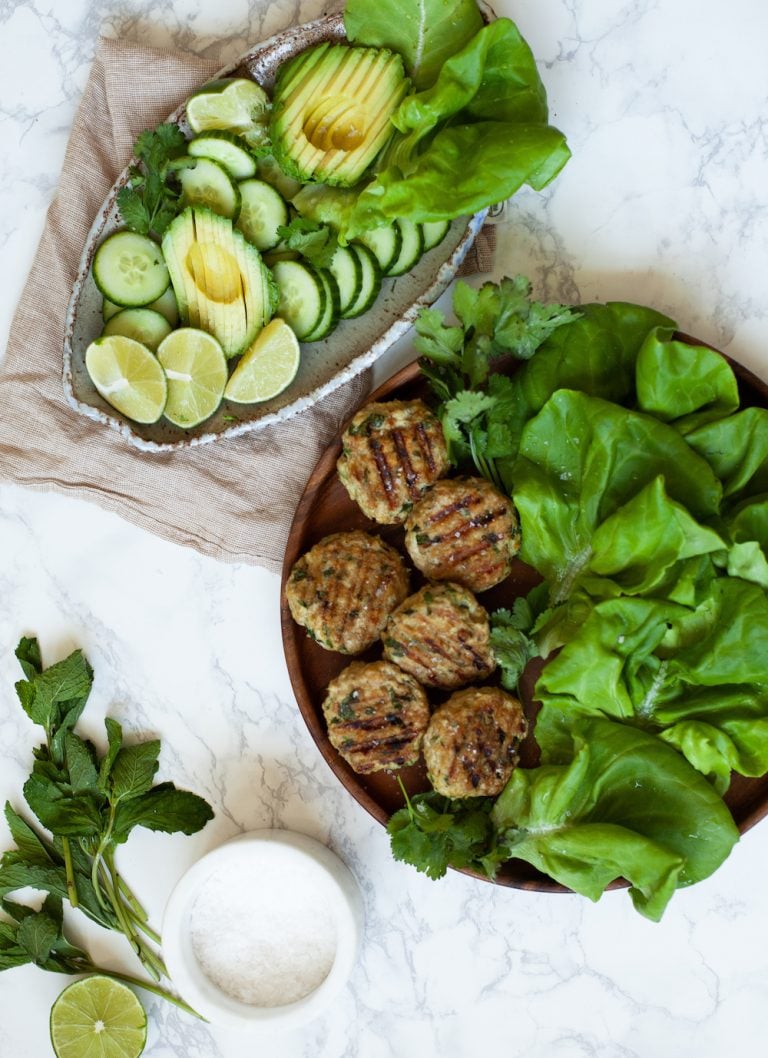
column 326, row 508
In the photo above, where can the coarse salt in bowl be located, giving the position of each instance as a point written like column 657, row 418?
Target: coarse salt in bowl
column 263, row 931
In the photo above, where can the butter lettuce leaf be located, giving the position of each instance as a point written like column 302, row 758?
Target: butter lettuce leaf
column 425, row 34
column 688, row 384
column 626, row 806
column 488, row 105
column 696, row 677
column 581, row 460
column 736, row 447
column 596, row 354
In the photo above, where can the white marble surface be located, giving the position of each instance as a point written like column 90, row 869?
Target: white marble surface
column 664, row 202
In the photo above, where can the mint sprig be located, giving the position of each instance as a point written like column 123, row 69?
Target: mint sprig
column 90, row 804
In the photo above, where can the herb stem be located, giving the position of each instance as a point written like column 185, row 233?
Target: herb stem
column 131, row 897
column 152, row 962
column 148, row 986
column 69, row 871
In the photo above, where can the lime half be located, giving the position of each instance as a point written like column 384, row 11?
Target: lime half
column 98, row 1017
column 127, row 376
column 267, row 367
column 196, row 369
column 237, row 104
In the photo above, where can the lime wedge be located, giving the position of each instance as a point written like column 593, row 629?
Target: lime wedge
column 196, row 369
column 98, row 1017
column 237, row 104
column 267, row 367
column 127, row 376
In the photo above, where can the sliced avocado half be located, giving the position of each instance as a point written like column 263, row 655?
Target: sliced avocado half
column 219, row 279
column 331, row 111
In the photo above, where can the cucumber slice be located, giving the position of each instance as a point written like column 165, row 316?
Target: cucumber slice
column 130, row 270
column 434, row 232
column 303, row 296
column 371, row 281
column 330, row 316
column 346, row 269
column 385, row 243
column 270, row 171
column 411, row 248
column 207, row 183
column 143, row 325
column 166, row 305
column 226, row 148
column 262, row 211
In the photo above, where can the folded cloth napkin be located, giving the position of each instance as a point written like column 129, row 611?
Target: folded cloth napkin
column 234, row 499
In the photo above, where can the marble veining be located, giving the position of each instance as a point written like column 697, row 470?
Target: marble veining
column 663, row 202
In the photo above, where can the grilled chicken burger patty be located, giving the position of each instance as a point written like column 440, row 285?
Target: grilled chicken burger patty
column 440, row 635
column 470, row 747
column 344, row 588
column 392, row 452
column 376, row 715
column 463, row 530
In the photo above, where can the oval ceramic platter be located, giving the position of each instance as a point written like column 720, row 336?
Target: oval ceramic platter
column 325, row 365
column 325, row 507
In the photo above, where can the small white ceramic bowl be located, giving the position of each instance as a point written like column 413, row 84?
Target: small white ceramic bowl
column 305, row 861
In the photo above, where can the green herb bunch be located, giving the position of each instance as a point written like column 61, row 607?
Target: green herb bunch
column 89, row 804
column 477, row 406
column 149, row 202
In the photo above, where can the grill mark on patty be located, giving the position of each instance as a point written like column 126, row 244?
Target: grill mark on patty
column 385, row 474
column 411, row 476
column 466, row 525
column 425, row 445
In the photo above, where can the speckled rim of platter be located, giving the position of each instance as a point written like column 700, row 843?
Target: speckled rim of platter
column 261, row 62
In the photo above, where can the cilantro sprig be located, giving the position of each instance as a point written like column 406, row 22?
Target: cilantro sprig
column 90, row 804
column 512, row 645
column 478, row 408
column 433, row 833
column 316, row 241
column 149, row 202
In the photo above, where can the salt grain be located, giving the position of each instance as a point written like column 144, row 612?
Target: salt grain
column 262, row 932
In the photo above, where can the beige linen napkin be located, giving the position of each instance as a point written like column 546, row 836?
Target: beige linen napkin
column 233, row 499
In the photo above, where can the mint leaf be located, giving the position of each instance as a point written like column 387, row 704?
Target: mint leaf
column 67, row 814
column 162, row 808
column 80, row 757
column 28, row 654
column 36, row 935
column 114, row 740
column 29, row 846
column 134, row 770
column 50, row 697
column 17, row 875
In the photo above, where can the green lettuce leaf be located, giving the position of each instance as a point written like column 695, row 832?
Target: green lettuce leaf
column 488, row 105
column 493, row 78
column 626, row 806
column 425, row 34
column 747, row 528
column 688, row 384
column 695, row 677
column 595, row 353
column 736, row 447
column 581, row 460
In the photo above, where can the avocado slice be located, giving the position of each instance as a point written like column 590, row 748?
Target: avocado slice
column 331, row 111
column 219, row 277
